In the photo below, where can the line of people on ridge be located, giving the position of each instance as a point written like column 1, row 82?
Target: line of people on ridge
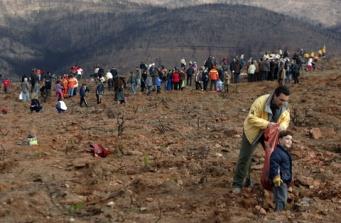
column 211, row 76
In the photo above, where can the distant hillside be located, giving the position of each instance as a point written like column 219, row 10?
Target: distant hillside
column 123, row 38
column 325, row 12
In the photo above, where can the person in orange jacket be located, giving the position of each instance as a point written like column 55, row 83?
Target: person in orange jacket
column 72, row 82
column 214, row 76
column 65, row 82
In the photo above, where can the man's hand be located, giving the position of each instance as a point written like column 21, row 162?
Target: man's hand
column 277, row 181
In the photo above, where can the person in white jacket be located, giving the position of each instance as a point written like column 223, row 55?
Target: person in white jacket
column 61, row 106
column 251, row 72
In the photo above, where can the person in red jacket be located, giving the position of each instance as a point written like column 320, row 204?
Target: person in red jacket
column 6, row 84
column 176, row 79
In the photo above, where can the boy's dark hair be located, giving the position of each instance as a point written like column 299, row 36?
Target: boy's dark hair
column 284, row 133
column 282, row 90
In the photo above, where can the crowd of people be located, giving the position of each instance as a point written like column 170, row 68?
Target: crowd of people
column 213, row 75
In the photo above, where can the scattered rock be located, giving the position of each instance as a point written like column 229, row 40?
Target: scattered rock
column 110, row 204
column 149, row 199
column 180, row 182
column 316, row 183
column 248, row 202
column 218, row 146
column 308, row 181
column 80, row 163
column 219, row 155
column 303, row 204
column 216, row 171
column 229, row 132
column 327, row 132
column 73, row 199
column 315, row 133
column 134, row 153
column 336, row 165
column 225, row 150
column 262, row 211
column 290, row 189
column 142, row 209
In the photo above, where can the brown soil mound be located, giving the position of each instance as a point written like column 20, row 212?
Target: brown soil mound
column 173, row 161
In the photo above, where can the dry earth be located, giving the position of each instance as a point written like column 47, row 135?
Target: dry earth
column 173, row 162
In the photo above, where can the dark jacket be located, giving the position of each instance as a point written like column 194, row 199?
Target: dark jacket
column 266, row 66
column 100, row 89
column 83, row 90
column 35, row 105
column 235, row 66
column 119, row 84
column 281, row 162
column 190, row 71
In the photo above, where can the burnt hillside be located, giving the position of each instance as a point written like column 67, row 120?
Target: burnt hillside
column 123, row 38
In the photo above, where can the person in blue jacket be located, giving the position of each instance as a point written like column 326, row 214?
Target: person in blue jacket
column 82, row 93
column 281, row 170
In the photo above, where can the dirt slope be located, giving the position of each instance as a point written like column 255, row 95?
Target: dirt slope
column 173, row 163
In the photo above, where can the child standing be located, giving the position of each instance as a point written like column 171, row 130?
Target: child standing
column 6, row 84
column 99, row 92
column 158, row 84
column 281, row 170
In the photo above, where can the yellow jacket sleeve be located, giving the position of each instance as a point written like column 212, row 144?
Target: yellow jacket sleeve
column 256, row 115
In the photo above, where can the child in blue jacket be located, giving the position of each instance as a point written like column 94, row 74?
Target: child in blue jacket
column 281, row 170
column 158, row 82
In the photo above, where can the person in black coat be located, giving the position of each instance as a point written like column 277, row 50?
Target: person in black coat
column 35, row 105
column 281, row 170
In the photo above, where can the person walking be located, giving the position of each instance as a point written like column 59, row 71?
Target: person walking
column 25, row 90
column 99, row 92
column 82, row 94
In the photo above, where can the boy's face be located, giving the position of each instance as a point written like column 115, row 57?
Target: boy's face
column 286, row 141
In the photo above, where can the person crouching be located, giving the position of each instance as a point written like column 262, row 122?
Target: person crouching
column 35, row 105
column 61, row 106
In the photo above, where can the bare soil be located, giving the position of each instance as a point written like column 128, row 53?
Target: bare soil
column 173, row 162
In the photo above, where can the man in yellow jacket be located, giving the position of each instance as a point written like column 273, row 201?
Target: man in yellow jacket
column 265, row 111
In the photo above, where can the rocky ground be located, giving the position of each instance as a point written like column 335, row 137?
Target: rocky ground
column 172, row 157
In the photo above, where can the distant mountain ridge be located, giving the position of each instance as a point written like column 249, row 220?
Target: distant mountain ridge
column 122, row 35
column 324, row 12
